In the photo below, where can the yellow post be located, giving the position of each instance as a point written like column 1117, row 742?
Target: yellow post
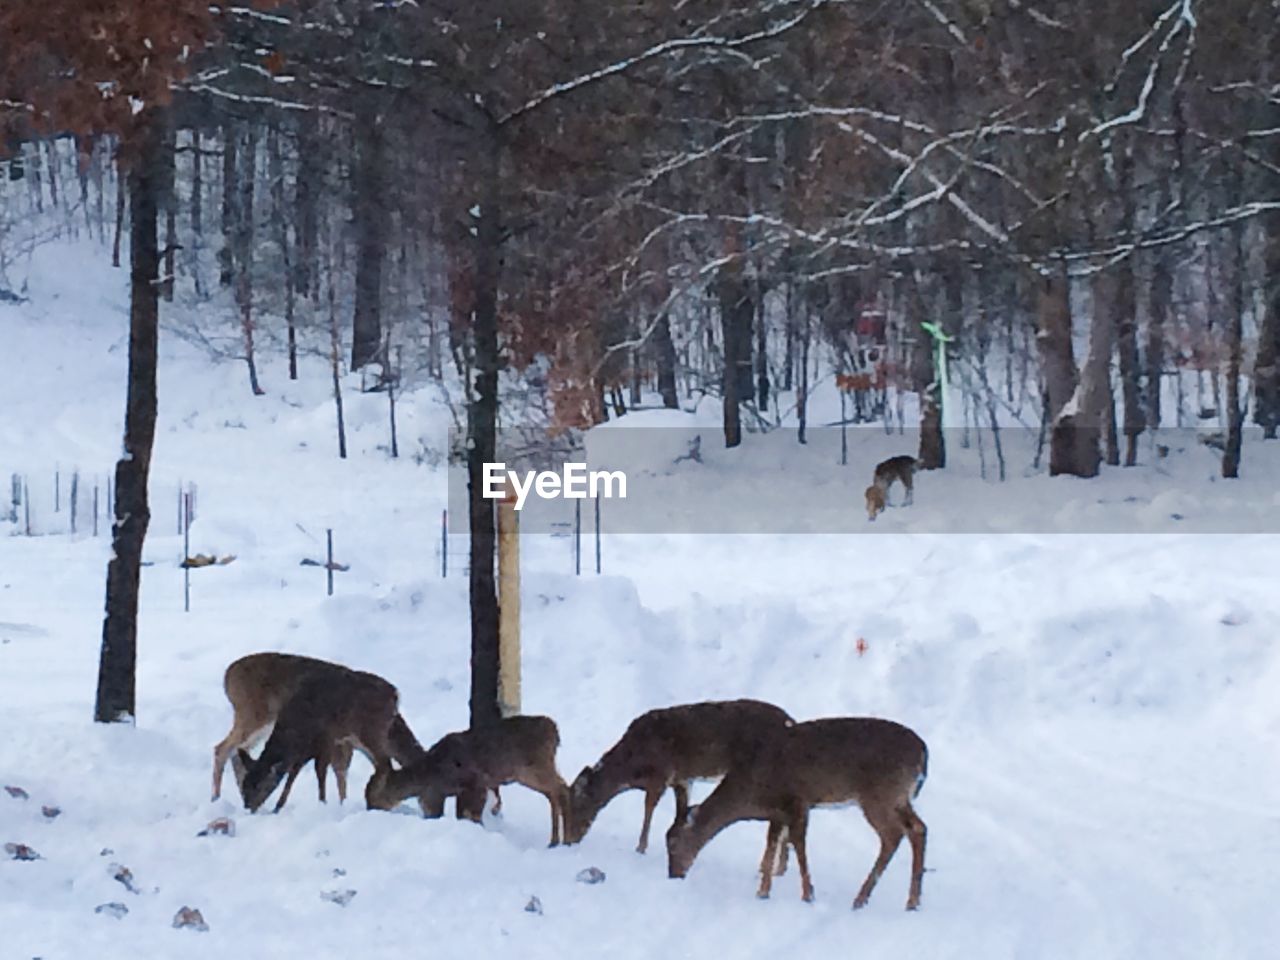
column 508, row 606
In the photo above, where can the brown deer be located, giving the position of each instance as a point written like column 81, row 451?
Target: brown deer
column 669, row 747
column 895, row 468
column 878, row 764
column 259, row 685
column 330, row 714
column 470, row 763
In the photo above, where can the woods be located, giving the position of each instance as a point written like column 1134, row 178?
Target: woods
column 583, row 204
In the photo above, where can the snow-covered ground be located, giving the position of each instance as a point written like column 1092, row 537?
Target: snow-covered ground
column 1100, row 710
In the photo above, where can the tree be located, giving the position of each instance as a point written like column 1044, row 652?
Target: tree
column 109, row 69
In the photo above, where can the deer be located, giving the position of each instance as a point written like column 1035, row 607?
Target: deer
column 878, row 764
column 259, row 685
column 468, row 764
column 900, row 468
column 669, row 747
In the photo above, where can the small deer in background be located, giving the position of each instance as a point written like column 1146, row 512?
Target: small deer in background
column 878, row 764
column 260, row 684
column 669, row 747
column 471, row 763
column 900, row 468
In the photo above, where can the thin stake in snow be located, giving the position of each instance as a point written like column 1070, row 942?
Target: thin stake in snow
column 577, row 539
column 597, row 501
column 328, row 535
column 184, row 521
column 95, row 508
column 444, row 543
column 75, row 490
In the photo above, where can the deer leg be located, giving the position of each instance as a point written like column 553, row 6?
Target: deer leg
column 890, row 829
column 916, row 832
column 781, row 867
column 906, row 482
column 341, row 760
column 242, row 732
column 767, row 861
column 322, row 774
column 288, row 785
column 651, row 797
column 681, row 789
column 796, row 830
column 497, row 802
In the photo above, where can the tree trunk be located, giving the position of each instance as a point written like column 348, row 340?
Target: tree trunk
column 932, row 453
column 306, row 222
column 736, row 313
column 1235, row 335
column 121, row 190
column 370, row 211
column 243, row 252
column 762, row 349
column 665, row 355
column 226, row 259
column 197, row 209
column 275, row 172
column 1131, row 389
column 117, row 664
column 1057, row 359
column 1266, row 370
column 482, row 437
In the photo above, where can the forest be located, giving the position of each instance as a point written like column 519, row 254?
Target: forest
column 550, row 209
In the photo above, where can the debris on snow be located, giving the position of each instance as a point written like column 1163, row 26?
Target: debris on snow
column 124, row 876
column 221, row 827
column 20, row 851
column 113, row 909
column 340, row 897
column 533, row 906
column 51, row 813
column 17, row 793
column 591, row 875
column 189, row 918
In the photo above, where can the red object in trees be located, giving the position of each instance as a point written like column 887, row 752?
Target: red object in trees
column 861, row 646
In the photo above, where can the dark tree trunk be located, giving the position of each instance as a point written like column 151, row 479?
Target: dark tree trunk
column 665, row 355
column 482, row 431
column 1235, row 336
column 197, row 208
column 275, row 162
column 1126, row 314
column 117, row 665
column 932, row 454
column 244, row 250
column 1266, row 369
column 306, row 223
column 121, row 190
column 736, row 315
column 762, row 350
column 169, row 198
column 1057, row 359
column 226, row 258
column 370, row 210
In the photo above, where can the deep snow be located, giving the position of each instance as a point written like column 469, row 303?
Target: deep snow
column 1099, row 712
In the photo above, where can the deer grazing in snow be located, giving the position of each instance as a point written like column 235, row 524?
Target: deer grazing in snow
column 262, row 685
column 668, row 748
column 878, row 764
column 901, row 469
column 470, row 763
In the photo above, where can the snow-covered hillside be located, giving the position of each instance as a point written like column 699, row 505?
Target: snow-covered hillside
column 1099, row 709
